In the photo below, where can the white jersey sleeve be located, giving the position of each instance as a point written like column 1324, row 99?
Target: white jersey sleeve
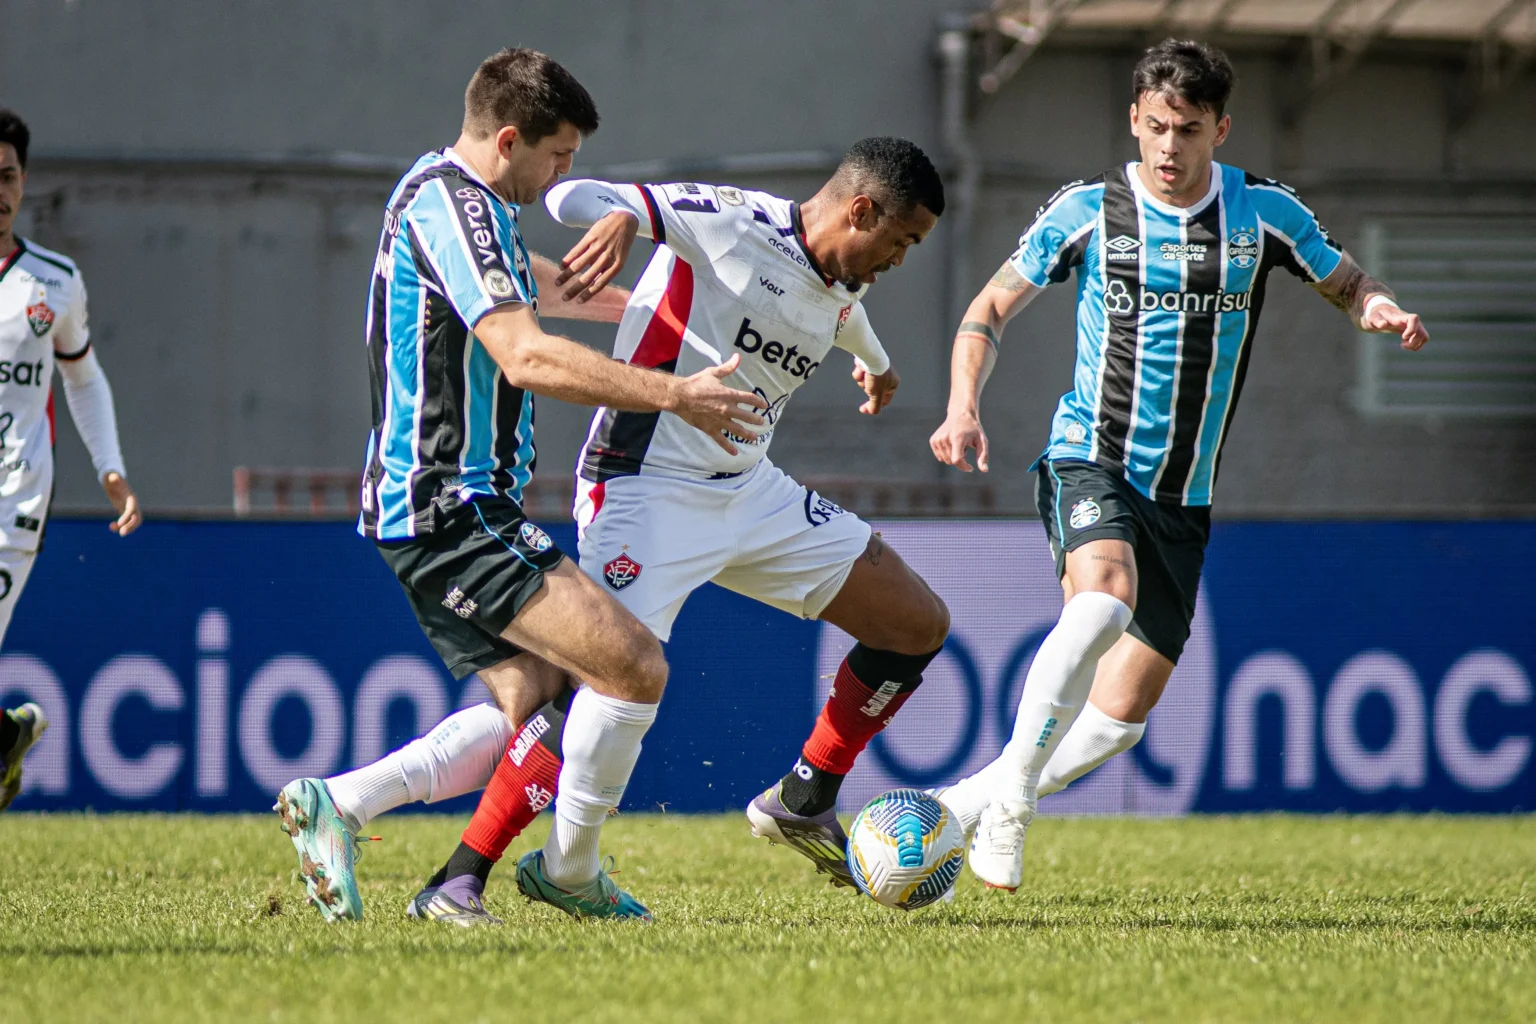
column 856, row 335
column 699, row 222
column 72, row 332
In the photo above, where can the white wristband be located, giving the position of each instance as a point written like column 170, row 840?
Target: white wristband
column 1378, row 300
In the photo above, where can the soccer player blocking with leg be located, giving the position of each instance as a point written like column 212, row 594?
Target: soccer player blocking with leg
column 1171, row 254
column 456, row 353
column 43, row 326
column 660, row 511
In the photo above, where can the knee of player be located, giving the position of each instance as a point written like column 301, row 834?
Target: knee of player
column 646, row 669
column 933, row 630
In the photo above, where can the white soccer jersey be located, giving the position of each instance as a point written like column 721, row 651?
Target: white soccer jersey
column 42, row 314
column 731, row 275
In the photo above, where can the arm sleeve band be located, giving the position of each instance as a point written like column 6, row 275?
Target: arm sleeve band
column 858, row 337
column 585, row 201
column 90, row 405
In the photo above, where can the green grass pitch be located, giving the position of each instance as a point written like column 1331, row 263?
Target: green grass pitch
column 1390, row 919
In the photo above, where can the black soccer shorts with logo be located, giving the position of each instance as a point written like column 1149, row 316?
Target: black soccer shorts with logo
column 468, row 579
column 1082, row 501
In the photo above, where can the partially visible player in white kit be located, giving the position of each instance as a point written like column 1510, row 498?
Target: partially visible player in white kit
column 773, row 285
column 42, row 324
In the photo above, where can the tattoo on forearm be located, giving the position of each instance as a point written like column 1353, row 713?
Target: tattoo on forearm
column 978, row 329
column 1007, row 277
column 1111, row 559
column 1350, row 293
column 875, row 550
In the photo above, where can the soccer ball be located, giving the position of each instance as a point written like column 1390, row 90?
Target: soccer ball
column 905, row 849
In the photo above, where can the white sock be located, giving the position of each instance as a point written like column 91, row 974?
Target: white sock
column 1093, row 739
column 601, row 744
column 458, row 756
column 1055, row 691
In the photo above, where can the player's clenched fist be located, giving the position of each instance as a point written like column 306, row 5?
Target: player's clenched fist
column 704, row 402
column 959, row 432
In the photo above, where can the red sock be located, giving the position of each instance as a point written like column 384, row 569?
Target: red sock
column 524, row 784
column 853, row 714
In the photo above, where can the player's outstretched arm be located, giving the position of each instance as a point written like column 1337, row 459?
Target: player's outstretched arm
column 1370, row 304
column 974, row 355
column 606, row 306
column 547, row 364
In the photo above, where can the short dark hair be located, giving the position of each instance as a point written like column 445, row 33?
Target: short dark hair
column 528, row 90
column 1196, row 72
column 894, row 173
column 15, row 131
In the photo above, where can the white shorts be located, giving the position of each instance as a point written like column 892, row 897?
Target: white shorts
column 15, row 567
column 651, row 541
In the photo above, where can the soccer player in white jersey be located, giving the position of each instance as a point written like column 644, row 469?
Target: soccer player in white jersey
column 42, row 325
column 1171, row 256
column 736, row 274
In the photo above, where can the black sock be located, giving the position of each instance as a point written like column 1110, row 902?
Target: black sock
column 10, row 732
column 466, row 861
column 808, row 791
column 438, row 878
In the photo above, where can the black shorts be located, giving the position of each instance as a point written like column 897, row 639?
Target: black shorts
column 1083, row 501
column 468, row 579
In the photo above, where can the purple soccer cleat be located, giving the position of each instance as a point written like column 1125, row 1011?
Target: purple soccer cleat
column 819, row 837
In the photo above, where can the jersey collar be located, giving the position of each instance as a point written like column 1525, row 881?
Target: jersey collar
column 1146, row 196
column 463, row 165
column 10, row 261
column 799, row 225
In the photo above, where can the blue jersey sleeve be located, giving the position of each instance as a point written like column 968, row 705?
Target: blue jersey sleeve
column 1307, row 251
column 470, row 242
column 1058, row 238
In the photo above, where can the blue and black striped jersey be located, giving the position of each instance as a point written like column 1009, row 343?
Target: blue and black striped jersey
column 447, row 426
column 1167, row 303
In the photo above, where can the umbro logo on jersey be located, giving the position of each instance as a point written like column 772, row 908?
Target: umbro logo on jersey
column 1123, row 249
column 40, row 317
column 621, row 572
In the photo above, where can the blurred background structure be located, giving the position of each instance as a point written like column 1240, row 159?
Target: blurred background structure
column 218, row 171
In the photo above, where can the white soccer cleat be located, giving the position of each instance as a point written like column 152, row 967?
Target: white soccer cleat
column 997, row 849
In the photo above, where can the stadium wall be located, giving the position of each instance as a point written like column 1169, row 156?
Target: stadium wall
column 211, row 186
column 1385, row 666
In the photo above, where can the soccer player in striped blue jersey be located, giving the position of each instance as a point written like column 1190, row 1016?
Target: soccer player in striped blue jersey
column 456, row 353
column 1171, row 255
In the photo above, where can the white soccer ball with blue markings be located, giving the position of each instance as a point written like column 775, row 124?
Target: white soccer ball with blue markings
column 905, row 849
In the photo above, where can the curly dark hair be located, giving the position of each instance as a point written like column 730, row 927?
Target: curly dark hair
column 528, row 90
column 1196, row 72
column 15, row 131
column 894, row 173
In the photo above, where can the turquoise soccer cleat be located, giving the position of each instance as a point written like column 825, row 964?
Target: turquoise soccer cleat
column 29, row 718
column 598, row 898
column 327, row 848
